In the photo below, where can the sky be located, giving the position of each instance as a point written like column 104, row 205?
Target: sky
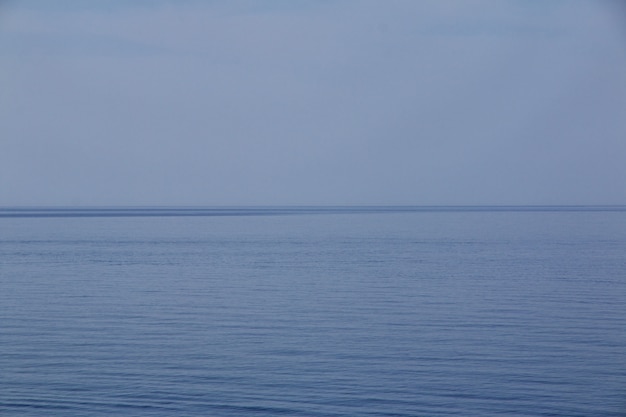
column 312, row 102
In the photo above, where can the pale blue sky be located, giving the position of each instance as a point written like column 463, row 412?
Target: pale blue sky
column 226, row 102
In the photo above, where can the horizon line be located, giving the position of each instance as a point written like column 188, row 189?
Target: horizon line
column 249, row 210
column 312, row 205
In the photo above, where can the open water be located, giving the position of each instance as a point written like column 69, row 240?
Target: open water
column 313, row 312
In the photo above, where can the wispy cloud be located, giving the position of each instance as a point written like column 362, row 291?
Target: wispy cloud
column 74, row 44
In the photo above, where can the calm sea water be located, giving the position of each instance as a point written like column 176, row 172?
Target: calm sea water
column 464, row 312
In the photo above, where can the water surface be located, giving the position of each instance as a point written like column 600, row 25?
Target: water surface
column 434, row 312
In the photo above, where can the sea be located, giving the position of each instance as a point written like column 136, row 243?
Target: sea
column 313, row 311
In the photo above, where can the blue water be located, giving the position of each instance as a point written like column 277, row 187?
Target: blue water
column 335, row 312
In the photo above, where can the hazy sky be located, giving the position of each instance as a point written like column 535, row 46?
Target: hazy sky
column 261, row 102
